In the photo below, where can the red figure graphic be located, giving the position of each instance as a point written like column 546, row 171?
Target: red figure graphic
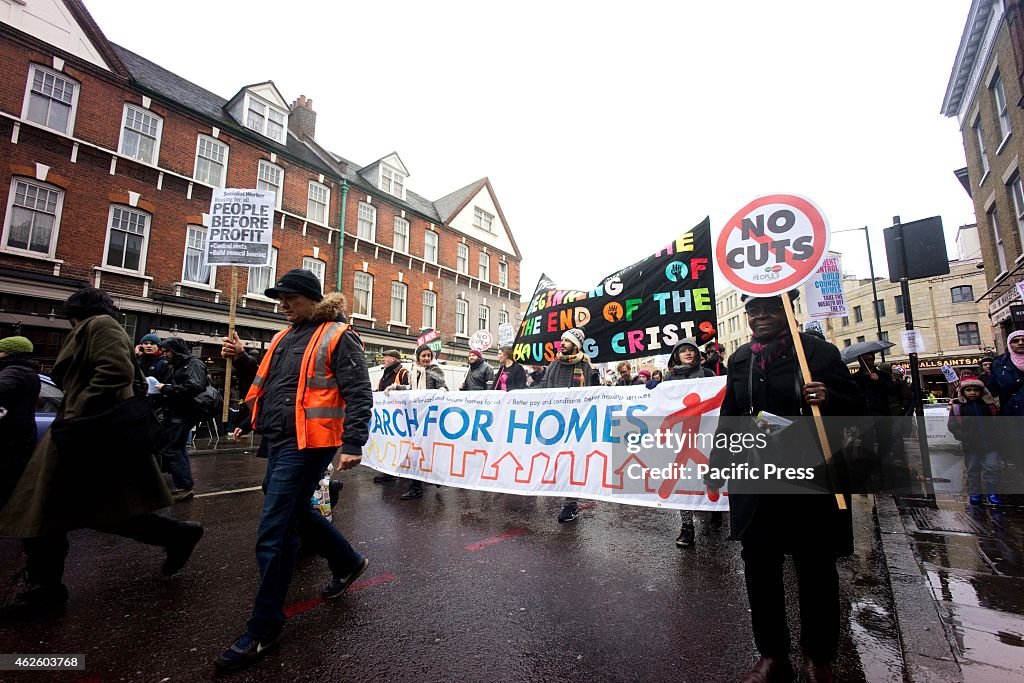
column 689, row 418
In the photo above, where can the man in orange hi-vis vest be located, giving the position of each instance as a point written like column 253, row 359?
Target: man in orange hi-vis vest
column 311, row 399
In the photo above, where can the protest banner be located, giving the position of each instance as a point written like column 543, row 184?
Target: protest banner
column 557, row 442
column 240, row 234
column 770, row 246
column 823, row 292
column 432, row 338
column 506, row 334
column 480, row 341
column 950, row 374
column 642, row 310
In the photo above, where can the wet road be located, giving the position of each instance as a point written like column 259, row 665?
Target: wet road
column 462, row 586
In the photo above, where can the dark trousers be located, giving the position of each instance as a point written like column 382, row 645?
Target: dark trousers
column 46, row 554
column 819, row 602
column 292, row 476
column 174, row 456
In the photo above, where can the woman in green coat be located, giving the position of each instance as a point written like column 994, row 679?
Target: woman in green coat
column 88, row 487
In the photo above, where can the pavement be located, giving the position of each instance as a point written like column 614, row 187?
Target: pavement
column 957, row 575
column 462, row 586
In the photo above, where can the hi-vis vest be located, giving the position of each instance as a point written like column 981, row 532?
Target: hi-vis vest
column 319, row 407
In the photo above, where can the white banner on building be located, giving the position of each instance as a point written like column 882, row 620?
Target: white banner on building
column 823, row 293
column 241, row 227
column 593, row 443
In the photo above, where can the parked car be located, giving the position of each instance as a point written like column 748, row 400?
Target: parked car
column 46, row 407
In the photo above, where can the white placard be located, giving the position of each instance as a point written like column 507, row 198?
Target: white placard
column 950, row 374
column 241, row 227
column 506, row 334
column 823, row 293
column 912, row 341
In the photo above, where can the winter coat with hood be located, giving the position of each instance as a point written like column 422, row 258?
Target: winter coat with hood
column 677, row 371
column 973, row 423
column 276, row 417
column 60, row 491
column 19, row 391
column 479, row 376
column 188, row 380
column 430, row 377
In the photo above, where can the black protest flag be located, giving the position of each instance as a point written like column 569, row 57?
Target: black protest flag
column 642, row 310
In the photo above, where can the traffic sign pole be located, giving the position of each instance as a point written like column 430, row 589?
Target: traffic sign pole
column 805, row 370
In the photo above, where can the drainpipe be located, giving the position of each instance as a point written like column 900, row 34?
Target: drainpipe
column 341, row 231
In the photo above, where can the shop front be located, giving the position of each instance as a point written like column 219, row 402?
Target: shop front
column 932, row 378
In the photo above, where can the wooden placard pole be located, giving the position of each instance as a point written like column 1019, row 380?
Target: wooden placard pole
column 231, row 334
column 801, row 357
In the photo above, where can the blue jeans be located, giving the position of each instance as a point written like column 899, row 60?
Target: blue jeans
column 291, row 478
column 981, row 468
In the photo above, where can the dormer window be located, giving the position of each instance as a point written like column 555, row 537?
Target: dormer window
column 392, row 181
column 265, row 119
column 482, row 219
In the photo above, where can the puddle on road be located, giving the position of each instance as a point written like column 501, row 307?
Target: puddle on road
column 872, row 628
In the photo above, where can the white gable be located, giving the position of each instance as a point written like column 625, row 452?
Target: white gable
column 267, row 92
column 51, row 22
column 464, row 222
column 394, row 162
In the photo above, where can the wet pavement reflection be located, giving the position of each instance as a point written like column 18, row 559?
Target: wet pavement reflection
column 462, row 586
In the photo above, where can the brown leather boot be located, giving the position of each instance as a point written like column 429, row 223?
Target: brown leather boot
column 769, row 670
column 818, row 673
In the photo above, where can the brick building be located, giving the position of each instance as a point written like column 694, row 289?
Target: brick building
column 109, row 162
column 985, row 94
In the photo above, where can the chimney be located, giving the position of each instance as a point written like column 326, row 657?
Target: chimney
column 302, row 118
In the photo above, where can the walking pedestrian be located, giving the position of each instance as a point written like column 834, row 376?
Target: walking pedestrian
column 763, row 376
column 311, row 399
column 19, row 391
column 480, row 376
column 426, row 374
column 685, row 363
column 98, row 485
column 179, row 413
column 511, row 375
column 151, row 358
column 971, row 422
column 572, row 369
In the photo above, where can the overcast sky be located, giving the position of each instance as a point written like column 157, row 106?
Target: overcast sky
column 606, row 128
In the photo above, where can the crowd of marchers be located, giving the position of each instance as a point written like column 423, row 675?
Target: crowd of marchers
column 310, row 399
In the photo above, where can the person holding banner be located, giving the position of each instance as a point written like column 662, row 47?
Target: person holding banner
column 626, row 378
column 480, row 376
column 764, row 381
column 311, row 400
column 685, row 363
column 425, row 375
column 393, row 373
column 571, row 370
column 511, row 375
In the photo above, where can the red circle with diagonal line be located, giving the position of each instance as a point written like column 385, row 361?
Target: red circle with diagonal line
column 772, row 244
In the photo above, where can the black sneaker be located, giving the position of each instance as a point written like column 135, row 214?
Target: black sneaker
column 334, row 492
column 383, row 478
column 181, row 548
column 337, row 586
column 244, row 652
column 568, row 513
column 35, row 600
column 414, row 492
column 716, row 520
column 685, row 537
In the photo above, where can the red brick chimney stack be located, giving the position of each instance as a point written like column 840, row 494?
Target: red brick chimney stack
column 302, row 118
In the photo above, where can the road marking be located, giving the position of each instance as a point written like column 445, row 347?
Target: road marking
column 224, row 493
column 307, row 605
column 497, row 539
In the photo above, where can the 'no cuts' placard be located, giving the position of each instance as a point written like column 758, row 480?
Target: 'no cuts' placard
column 241, row 227
column 772, row 244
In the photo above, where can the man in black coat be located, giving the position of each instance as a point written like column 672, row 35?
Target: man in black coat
column 19, row 391
column 764, row 376
column 480, row 376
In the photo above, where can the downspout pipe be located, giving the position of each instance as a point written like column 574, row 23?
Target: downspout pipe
column 341, row 232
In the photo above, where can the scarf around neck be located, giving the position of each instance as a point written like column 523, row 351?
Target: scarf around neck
column 767, row 351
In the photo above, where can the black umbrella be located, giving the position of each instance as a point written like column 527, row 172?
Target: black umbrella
column 850, row 353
